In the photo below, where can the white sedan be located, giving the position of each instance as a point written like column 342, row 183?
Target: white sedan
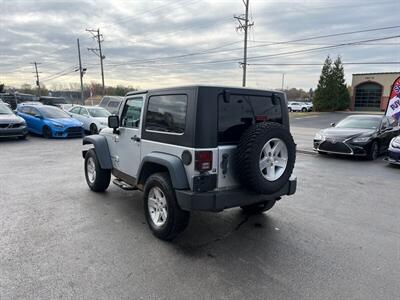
column 94, row 118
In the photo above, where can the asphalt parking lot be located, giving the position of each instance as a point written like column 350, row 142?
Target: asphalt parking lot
column 338, row 237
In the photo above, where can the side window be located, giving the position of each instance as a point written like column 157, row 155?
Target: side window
column 131, row 114
column 25, row 110
column 84, row 112
column 76, row 110
column 35, row 112
column 167, row 113
column 113, row 104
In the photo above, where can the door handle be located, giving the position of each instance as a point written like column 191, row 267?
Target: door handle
column 135, row 138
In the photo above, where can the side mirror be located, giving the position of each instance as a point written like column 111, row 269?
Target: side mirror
column 333, row 124
column 38, row 116
column 113, row 122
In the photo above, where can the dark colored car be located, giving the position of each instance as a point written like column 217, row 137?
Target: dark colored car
column 358, row 135
column 55, row 101
column 10, row 124
column 111, row 103
column 393, row 155
column 10, row 99
column 50, row 121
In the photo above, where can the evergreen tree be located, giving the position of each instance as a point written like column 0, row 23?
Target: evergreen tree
column 321, row 97
column 342, row 96
column 331, row 93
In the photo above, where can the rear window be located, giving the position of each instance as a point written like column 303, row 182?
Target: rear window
column 242, row 111
column 167, row 113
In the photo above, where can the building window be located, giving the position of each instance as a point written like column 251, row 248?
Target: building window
column 368, row 96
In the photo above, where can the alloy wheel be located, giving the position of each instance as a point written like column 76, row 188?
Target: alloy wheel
column 157, row 206
column 273, row 159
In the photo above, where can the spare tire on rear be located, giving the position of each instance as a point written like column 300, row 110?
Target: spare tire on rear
column 265, row 157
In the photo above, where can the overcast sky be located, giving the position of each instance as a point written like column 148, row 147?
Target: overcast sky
column 161, row 43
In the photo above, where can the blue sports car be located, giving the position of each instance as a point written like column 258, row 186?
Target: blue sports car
column 394, row 151
column 50, row 121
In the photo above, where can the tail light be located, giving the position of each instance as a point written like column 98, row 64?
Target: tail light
column 203, row 160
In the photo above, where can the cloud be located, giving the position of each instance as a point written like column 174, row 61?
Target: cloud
column 146, row 43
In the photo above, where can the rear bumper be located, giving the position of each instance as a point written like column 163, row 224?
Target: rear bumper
column 220, row 200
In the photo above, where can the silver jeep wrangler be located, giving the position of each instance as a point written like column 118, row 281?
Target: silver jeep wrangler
column 196, row 148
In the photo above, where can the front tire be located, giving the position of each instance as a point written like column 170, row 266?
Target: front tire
column 258, row 207
column 93, row 129
column 304, row 109
column 163, row 214
column 47, row 132
column 373, row 151
column 97, row 179
column 290, row 109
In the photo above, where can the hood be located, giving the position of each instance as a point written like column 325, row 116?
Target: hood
column 346, row 132
column 10, row 118
column 66, row 122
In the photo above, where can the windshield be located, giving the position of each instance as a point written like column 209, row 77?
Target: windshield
column 53, row 113
column 98, row 112
column 5, row 110
column 359, row 122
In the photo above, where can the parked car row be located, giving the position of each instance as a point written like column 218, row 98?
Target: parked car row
column 51, row 121
column 300, row 106
column 361, row 135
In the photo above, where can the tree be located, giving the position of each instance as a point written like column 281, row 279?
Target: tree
column 331, row 93
column 342, row 95
column 321, row 97
column 1, row 87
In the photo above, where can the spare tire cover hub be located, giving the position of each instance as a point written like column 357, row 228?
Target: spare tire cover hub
column 273, row 159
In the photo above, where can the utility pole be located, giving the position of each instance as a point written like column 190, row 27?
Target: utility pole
column 283, row 80
column 99, row 37
column 37, row 76
column 81, row 71
column 244, row 25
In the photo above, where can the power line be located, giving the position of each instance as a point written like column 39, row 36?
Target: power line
column 212, row 50
column 320, row 64
column 58, row 73
column 276, row 54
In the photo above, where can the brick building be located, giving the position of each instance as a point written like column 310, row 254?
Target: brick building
column 370, row 91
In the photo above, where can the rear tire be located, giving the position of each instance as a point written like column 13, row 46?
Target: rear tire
column 47, row 132
column 163, row 214
column 265, row 157
column 258, row 207
column 97, row 179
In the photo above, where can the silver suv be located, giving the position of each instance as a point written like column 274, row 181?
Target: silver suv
column 196, row 148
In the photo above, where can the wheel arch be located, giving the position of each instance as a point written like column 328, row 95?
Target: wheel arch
column 161, row 162
column 101, row 148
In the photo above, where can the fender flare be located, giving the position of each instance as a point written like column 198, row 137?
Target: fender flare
column 173, row 163
column 101, row 148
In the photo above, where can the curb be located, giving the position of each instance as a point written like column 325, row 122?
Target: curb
column 309, row 152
